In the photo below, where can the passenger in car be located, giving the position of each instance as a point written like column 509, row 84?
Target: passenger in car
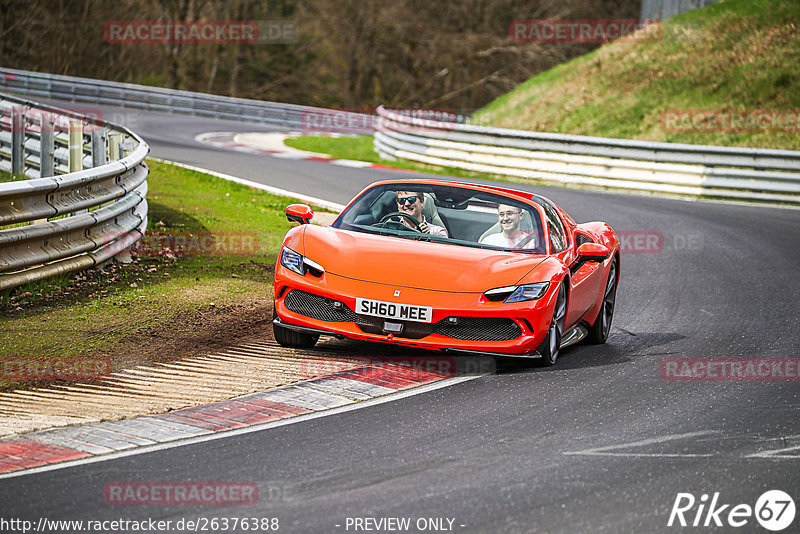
column 411, row 202
column 511, row 236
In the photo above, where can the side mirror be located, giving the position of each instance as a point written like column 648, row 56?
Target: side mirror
column 299, row 213
column 593, row 252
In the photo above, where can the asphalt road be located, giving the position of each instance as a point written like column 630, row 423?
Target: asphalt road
column 600, row 443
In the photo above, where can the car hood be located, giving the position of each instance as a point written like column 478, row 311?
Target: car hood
column 410, row 263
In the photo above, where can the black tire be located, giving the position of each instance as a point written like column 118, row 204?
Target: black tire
column 290, row 338
column 551, row 346
column 598, row 333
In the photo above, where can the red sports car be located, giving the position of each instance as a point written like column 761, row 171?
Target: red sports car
column 447, row 266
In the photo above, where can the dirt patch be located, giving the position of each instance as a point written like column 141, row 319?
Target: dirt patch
column 141, row 313
column 196, row 332
column 97, row 282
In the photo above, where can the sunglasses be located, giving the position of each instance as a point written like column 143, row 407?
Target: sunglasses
column 401, row 201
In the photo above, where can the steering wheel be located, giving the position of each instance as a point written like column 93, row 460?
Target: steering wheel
column 413, row 220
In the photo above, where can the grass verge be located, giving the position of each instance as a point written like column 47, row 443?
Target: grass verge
column 210, row 251
column 360, row 148
column 8, row 177
column 733, row 56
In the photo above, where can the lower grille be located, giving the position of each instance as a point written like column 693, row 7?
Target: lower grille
column 320, row 308
column 466, row 328
column 479, row 329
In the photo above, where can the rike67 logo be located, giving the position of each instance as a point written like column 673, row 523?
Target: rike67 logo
column 774, row 510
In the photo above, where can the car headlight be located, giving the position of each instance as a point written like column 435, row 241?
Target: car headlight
column 292, row 260
column 518, row 293
column 297, row 263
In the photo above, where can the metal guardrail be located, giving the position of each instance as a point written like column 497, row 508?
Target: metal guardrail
column 94, row 214
column 134, row 96
column 664, row 9
column 721, row 172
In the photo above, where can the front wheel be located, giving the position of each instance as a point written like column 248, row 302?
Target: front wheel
column 598, row 333
column 551, row 346
column 289, row 338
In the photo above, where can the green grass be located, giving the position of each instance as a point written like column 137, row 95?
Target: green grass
column 735, row 55
column 360, row 148
column 8, row 177
column 94, row 312
column 351, row 147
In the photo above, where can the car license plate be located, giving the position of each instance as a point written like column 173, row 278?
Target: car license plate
column 393, row 310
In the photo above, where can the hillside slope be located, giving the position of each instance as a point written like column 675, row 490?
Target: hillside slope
column 731, row 57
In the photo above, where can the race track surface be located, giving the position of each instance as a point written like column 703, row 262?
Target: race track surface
column 600, row 443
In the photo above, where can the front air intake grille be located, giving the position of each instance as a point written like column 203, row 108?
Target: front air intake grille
column 479, row 329
column 320, row 308
column 466, row 328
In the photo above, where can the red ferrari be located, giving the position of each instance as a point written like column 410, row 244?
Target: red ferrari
column 447, row 266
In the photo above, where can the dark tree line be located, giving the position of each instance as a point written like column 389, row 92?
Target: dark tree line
column 350, row 53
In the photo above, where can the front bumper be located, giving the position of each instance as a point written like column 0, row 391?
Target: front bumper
column 481, row 326
column 277, row 321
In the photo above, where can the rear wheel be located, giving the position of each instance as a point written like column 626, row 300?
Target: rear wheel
column 290, row 338
column 598, row 333
column 551, row 346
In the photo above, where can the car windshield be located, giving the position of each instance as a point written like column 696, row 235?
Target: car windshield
column 450, row 214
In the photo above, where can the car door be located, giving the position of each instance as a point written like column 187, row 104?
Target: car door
column 584, row 282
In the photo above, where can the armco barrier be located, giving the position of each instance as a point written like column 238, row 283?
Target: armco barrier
column 722, row 172
column 134, row 96
column 59, row 221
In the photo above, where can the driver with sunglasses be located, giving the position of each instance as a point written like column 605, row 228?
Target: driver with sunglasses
column 411, row 202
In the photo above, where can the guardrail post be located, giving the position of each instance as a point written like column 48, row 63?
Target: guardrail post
column 17, row 140
column 114, row 140
column 75, row 243
column 126, row 147
column 76, row 152
column 98, row 147
column 75, row 146
column 47, row 147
